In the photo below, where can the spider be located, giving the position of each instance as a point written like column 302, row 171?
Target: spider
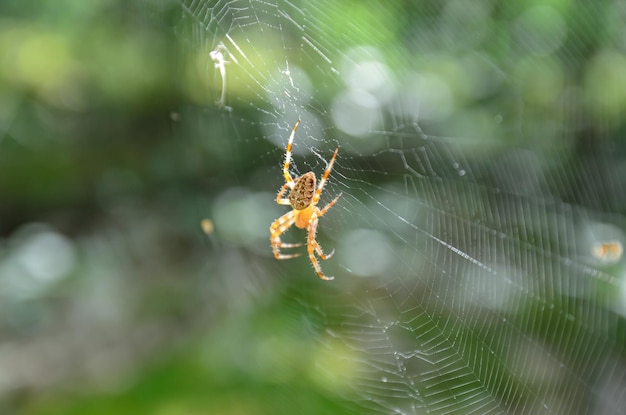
column 303, row 198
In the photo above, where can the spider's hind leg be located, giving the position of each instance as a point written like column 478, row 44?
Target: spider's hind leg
column 321, row 253
column 278, row 227
column 318, row 248
column 313, row 247
column 285, row 245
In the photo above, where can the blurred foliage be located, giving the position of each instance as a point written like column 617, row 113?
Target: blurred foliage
column 85, row 91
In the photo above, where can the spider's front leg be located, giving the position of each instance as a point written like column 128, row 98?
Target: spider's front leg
column 278, row 227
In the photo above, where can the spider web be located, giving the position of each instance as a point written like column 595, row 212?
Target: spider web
column 478, row 239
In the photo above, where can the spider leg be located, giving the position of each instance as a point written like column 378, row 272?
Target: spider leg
column 288, row 179
column 330, row 204
column 321, row 253
column 319, row 214
column 312, row 247
column 320, row 187
column 278, row 227
column 282, row 200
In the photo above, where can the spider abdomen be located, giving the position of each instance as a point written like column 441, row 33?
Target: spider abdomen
column 302, row 193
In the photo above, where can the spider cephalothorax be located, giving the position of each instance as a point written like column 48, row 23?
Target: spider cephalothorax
column 303, row 198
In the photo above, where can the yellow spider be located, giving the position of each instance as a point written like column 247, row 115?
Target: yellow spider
column 303, row 198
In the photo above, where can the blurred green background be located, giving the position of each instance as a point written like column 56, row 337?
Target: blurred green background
column 112, row 152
